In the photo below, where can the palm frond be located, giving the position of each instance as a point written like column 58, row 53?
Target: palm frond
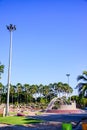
column 82, row 87
column 85, row 87
column 83, row 90
column 79, row 85
column 81, row 77
column 85, row 73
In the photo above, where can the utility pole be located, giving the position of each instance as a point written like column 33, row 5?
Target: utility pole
column 11, row 28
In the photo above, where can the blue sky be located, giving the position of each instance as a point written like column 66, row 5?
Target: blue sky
column 50, row 40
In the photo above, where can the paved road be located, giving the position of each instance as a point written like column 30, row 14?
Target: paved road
column 68, row 118
column 50, row 118
column 61, row 117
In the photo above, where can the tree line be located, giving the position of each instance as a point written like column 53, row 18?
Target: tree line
column 26, row 93
column 31, row 93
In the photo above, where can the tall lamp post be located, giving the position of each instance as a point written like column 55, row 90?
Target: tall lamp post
column 11, row 28
column 68, row 81
column 68, row 77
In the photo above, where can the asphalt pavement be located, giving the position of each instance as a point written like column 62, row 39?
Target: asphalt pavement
column 61, row 117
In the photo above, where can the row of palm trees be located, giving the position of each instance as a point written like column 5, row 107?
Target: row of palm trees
column 30, row 93
column 26, row 93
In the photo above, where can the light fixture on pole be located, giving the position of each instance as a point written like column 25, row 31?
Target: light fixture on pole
column 11, row 28
column 68, row 81
column 68, row 77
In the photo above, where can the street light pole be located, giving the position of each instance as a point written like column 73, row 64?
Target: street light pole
column 11, row 28
column 68, row 81
column 68, row 77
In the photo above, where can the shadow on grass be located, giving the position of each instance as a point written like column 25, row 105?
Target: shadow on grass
column 32, row 121
column 23, row 125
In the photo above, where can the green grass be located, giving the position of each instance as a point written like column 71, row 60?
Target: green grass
column 18, row 120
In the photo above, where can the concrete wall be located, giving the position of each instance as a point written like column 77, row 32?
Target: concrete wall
column 68, row 107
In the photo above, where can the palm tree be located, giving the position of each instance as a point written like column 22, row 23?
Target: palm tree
column 67, row 90
column 1, row 90
column 19, row 91
column 46, row 91
column 51, row 91
column 70, row 90
column 12, row 92
column 82, row 86
column 40, row 90
column 27, row 91
column 1, row 69
column 59, row 88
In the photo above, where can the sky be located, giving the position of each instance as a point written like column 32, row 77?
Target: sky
column 50, row 40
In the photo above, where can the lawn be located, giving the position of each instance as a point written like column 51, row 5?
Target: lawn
column 18, row 120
